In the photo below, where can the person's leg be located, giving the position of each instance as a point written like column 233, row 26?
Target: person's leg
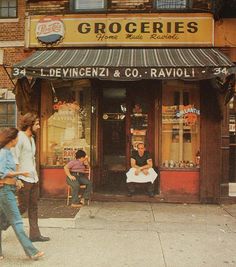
column 2, row 218
column 23, row 197
column 74, row 190
column 131, row 188
column 4, row 224
column 1, row 256
column 12, row 213
column 150, row 189
column 88, row 189
column 34, row 231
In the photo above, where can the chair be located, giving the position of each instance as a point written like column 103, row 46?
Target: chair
column 82, row 186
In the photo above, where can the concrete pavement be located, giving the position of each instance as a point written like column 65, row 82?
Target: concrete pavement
column 125, row 234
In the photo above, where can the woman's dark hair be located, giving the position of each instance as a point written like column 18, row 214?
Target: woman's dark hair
column 80, row 154
column 7, row 135
column 28, row 120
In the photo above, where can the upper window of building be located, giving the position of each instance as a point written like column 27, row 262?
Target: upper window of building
column 170, row 4
column 7, row 113
column 141, row 5
column 180, row 4
column 8, row 8
column 83, row 5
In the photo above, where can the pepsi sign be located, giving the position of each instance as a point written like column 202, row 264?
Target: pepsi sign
column 50, row 30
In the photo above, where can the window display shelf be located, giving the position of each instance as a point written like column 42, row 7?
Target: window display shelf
column 195, row 169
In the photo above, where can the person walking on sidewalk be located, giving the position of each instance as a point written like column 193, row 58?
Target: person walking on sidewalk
column 24, row 155
column 8, row 182
column 76, row 171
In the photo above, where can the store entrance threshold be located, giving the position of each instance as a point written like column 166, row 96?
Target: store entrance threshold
column 114, row 186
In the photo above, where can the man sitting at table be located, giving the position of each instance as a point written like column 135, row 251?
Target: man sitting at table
column 141, row 170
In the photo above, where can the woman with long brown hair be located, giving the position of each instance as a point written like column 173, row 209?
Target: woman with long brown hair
column 8, row 205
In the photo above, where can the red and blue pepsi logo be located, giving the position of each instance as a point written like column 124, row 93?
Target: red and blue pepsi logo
column 50, row 30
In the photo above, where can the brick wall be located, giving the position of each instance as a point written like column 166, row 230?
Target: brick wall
column 13, row 29
column 52, row 7
column 11, row 56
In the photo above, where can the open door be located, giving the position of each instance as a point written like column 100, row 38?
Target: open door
column 126, row 119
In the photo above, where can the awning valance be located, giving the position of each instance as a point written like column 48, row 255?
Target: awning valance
column 125, row 64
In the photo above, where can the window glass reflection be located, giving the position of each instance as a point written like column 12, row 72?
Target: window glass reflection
column 180, row 125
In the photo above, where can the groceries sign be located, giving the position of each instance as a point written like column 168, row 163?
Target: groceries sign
column 116, row 30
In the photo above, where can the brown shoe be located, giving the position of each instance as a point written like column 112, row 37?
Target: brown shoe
column 75, row 205
column 40, row 239
column 37, row 256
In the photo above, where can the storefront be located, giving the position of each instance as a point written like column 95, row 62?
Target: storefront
column 107, row 100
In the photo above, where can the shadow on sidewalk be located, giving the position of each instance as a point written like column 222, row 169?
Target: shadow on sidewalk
column 54, row 208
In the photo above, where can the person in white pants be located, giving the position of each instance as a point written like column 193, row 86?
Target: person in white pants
column 141, row 170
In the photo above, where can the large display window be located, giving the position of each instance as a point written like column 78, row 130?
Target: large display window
column 180, row 125
column 66, row 122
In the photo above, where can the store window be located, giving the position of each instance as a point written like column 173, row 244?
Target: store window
column 66, row 123
column 8, row 8
column 7, row 113
column 180, row 125
column 232, row 136
column 83, row 5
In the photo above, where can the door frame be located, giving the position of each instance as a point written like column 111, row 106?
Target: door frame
column 153, row 125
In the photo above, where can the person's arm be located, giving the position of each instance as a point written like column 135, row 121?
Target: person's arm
column 16, row 155
column 16, row 151
column 68, row 174
column 133, row 165
column 86, row 164
column 14, row 174
column 5, row 172
column 149, row 163
column 3, row 161
column 86, row 161
column 147, row 166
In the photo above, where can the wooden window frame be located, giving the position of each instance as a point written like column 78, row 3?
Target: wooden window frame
column 9, row 8
column 171, row 8
column 190, row 5
column 9, row 102
column 73, row 2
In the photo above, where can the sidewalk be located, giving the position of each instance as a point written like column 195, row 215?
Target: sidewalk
column 127, row 234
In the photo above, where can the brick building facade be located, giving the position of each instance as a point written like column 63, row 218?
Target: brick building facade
column 180, row 179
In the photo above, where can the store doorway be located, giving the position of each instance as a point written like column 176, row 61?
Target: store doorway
column 126, row 120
